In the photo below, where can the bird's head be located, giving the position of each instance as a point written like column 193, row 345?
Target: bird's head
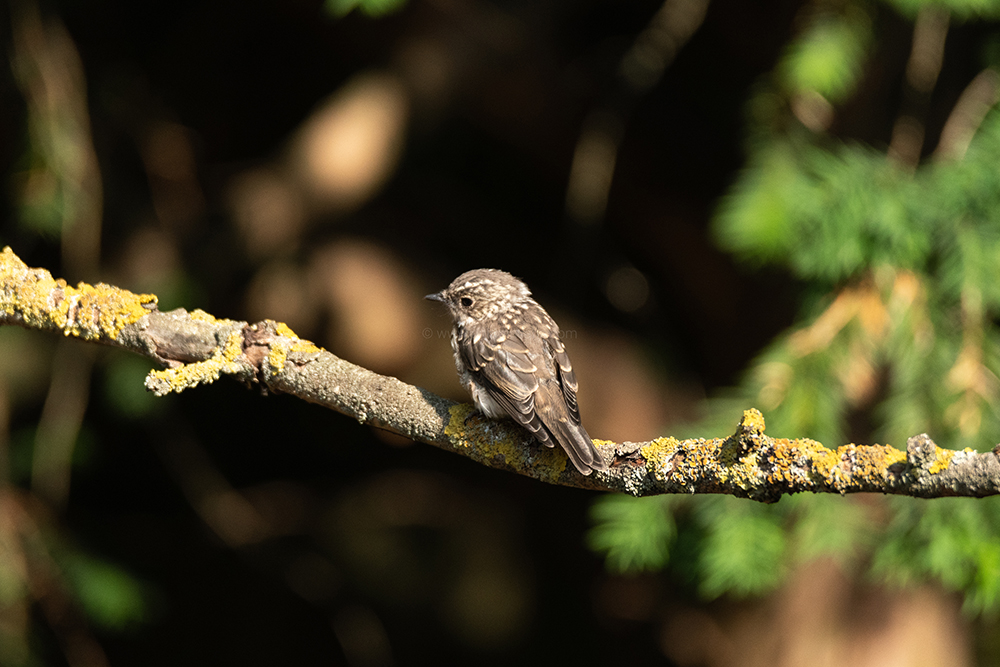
column 483, row 294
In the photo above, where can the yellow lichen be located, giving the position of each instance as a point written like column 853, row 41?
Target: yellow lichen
column 853, row 465
column 660, row 449
column 752, row 422
column 783, row 456
column 86, row 311
column 234, row 346
column 656, row 453
column 201, row 315
column 482, row 435
column 943, row 460
column 825, row 462
column 224, row 360
column 279, row 349
column 871, row 463
column 305, row 346
column 283, row 329
column 276, row 356
column 601, row 443
column 744, row 473
column 456, row 425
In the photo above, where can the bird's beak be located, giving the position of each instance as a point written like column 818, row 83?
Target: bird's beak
column 435, row 297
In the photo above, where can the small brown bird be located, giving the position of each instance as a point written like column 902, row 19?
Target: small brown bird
column 510, row 359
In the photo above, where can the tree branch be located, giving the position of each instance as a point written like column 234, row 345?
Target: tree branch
column 197, row 348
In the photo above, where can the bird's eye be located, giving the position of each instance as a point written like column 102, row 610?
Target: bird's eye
column 466, row 301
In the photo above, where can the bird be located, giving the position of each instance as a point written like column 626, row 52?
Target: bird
column 512, row 361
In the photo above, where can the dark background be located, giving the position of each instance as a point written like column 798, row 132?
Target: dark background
column 361, row 549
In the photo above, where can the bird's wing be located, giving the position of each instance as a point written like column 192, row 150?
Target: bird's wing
column 567, row 378
column 505, row 366
column 532, row 379
column 556, row 407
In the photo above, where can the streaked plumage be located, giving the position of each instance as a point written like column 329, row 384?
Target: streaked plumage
column 510, row 358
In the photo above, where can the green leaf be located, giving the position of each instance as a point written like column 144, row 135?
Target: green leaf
column 953, row 540
column 743, row 550
column 754, row 219
column 108, row 595
column 829, row 527
column 341, row 8
column 961, row 9
column 634, row 534
column 827, row 58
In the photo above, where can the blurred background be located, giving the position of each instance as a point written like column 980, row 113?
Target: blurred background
column 790, row 205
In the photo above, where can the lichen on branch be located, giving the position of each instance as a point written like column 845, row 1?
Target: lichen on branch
column 33, row 299
column 198, row 348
